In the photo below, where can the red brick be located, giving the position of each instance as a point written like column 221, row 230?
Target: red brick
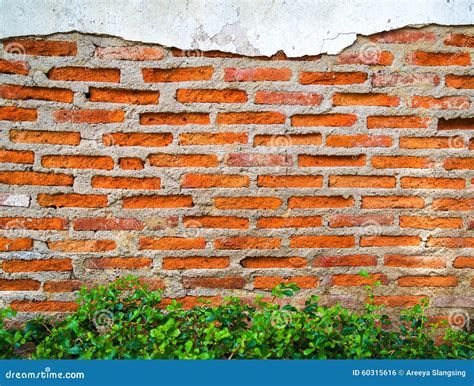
column 278, row 140
column 456, row 124
column 397, row 122
column 40, row 47
column 380, row 182
column 381, row 58
column 332, row 78
column 88, row 116
column 138, row 53
column 247, row 202
column 35, row 178
column 218, row 222
column 459, row 204
column 17, row 114
column 458, row 163
column 84, row 74
column 71, row 138
column 182, row 74
column 258, row 160
column 118, row 263
column 451, row 242
column 195, row 262
column 401, row 162
column 173, row 243
column 183, row 160
column 288, row 98
column 212, row 139
column 289, row 222
column 385, row 202
column 62, row 285
column 18, row 244
column 348, row 220
column 390, row 241
column 398, row 300
column 131, row 163
column 44, row 223
column 72, row 200
column 214, row 181
column 211, row 96
column 320, row 202
column 345, row 261
column 213, row 282
column 464, row 262
column 43, row 306
column 459, row 40
column 422, row 58
column 141, row 202
column 361, row 140
column 107, row 224
column 357, row 280
column 137, row 139
column 256, row 74
column 10, row 91
column 14, row 67
column 16, row 156
column 269, row 282
column 460, row 81
column 177, row 119
column 247, row 242
column 322, row 242
column 53, row 265
column 115, row 95
column 145, row 183
column 443, row 103
column 432, row 183
column 287, row 181
column 251, row 118
column 420, row 222
column 359, row 99
column 432, row 142
column 305, row 160
column 273, row 262
column 428, row 281
column 412, row 261
column 77, row 162
column 82, row 246
column 403, row 36
column 403, row 79
column 331, row 120
column 19, row 285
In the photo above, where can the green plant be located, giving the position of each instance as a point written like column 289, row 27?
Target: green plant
column 124, row 320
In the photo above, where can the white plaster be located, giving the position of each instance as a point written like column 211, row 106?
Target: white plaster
column 249, row 27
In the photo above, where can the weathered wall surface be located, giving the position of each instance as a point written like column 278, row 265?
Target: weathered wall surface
column 208, row 173
column 247, row 27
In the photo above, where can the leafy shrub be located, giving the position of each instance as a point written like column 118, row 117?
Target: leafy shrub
column 124, row 320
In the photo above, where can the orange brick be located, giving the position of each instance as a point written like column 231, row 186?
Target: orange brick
column 451, row 242
column 18, row 244
column 256, row 74
column 195, row 262
column 384, row 202
column 138, row 139
column 289, row 222
column 461, row 204
column 145, row 183
column 405, row 79
column 420, row 222
column 401, row 162
column 82, row 246
column 428, row 281
column 140, row 202
column 183, row 160
column 173, row 243
column 183, row 74
column 211, row 139
column 358, row 99
column 330, row 120
column 273, row 262
column 131, row 163
column 357, row 280
column 320, row 202
column 359, row 141
column 43, row 223
column 119, row 263
column 84, row 74
column 460, row 81
column 88, row 116
column 380, row 182
column 251, row 118
column 77, row 162
column 345, row 261
column 348, row 220
column 458, row 163
column 213, row 282
column 332, row 78
column 403, row 36
column 72, row 138
column 16, row 156
column 390, row 241
column 72, row 200
column 133, row 97
column 305, row 160
column 382, row 58
column 464, row 262
column 219, row 222
column 10, row 91
column 35, row 178
column 432, row 183
column 397, row 122
column 136, row 52
column 411, row 261
column 287, row 181
column 398, row 300
column 431, row 142
column 247, row 242
column 56, row 265
column 443, row 103
column 107, row 224
column 288, row 98
column 178, row 119
column 269, row 282
column 19, row 285
column 459, row 40
column 41, row 47
column 62, row 285
column 214, row 181
column 16, row 114
column 322, row 242
column 236, row 203
column 14, row 67
column 43, row 306
column 422, row 58
column 211, row 96
column 456, row 124
column 258, row 159
column 287, row 140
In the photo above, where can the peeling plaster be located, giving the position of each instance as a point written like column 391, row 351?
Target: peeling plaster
column 247, row 27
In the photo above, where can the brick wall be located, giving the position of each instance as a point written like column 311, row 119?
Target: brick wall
column 208, row 173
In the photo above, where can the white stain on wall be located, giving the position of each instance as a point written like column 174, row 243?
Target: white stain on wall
column 248, row 27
